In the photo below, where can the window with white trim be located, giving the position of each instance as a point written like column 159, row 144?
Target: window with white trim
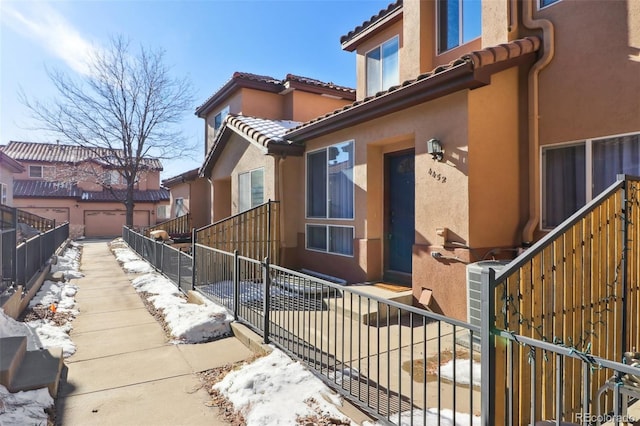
column 459, row 22
column 113, row 177
column 330, row 187
column 39, row 172
column 383, row 67
column 573, row 174
column 545, row 3
column 250, row 189
column 330, row 238
column 3, row 188
column 218, row 119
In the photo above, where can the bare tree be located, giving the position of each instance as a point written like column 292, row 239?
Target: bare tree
column 124, row 110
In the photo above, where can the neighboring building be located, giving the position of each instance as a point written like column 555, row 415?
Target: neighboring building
column 69, row 183
column 8, row 168
column 246, row 157
column 189, row 194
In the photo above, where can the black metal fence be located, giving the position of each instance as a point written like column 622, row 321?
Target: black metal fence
column 173, row 263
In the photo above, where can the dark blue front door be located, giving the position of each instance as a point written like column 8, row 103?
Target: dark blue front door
column 400, row 212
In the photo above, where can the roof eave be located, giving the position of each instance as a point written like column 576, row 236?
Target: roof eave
column 320, row 90
column 285, row 149
column 352, row 43
column 231, row 86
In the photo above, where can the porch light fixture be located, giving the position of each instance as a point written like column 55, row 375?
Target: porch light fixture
column 435, row 149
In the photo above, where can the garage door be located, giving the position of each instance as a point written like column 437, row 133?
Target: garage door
column 59, row 214
column 109, row 223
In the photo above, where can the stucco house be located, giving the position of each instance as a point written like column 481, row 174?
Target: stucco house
column 8, row 168
column 476, row 128
column 71, row 183
column 189, row 194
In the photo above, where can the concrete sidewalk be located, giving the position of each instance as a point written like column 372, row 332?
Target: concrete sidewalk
column 124, row 371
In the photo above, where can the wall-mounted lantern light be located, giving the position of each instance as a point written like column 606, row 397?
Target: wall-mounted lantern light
column 435, row 149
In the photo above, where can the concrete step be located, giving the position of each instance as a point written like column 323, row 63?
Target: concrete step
column 22, row 370
column 12, row 352
column 39, row 369
column 369, row 311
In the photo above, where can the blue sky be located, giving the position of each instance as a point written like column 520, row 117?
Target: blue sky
column 206, row 40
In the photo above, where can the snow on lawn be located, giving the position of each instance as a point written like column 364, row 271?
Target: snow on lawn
column 188, row 322
column 24, row 408
column 463, row 368
column 275, row 390
column 131, row 262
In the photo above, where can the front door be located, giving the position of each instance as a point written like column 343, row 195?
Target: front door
column 399, row 215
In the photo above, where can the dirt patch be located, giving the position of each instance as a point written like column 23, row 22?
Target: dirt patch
column 430, row 371
column 41, row 312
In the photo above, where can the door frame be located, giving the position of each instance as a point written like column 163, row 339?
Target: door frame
column 396, row 277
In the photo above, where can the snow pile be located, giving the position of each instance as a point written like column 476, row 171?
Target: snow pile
column 188, row 322
column 463, row 368
column 131, row 262
column 10, row 327
column 24, row 408
column 69, row 262
column 61, row 294
column 261, row 391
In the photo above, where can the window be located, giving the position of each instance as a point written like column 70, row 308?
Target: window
column 180, row 208
column 330, row 182
column 40, row 172
column 575, row 173
column 112, row 177
column 162, row 212
column 3, row 188
column 330, row 239
column 219, row 119
column 459, row 21
column 545, row 3
column 250, row 189
column 382, row 67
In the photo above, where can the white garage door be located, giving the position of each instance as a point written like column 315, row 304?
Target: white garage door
column 109, row 223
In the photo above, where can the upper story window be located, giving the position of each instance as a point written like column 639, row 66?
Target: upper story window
column 219, row 118
column 383, row 66
column 330, row 182
column 575, row 173
column 459, row 21
column 3, row 190
column 545, row 3
column 250, row 189
column 40, row 172
column 113, row 177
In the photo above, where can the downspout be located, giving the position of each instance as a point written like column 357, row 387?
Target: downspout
column 534, row 120
column 280, row 198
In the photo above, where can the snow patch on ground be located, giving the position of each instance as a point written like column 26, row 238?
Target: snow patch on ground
column 463, row 368
column 24, row 408
column 131, row 262
column 276, row 390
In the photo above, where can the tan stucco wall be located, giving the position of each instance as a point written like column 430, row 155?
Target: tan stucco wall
column 304, row 106
column 235, row 107
column 256, row 103
column 240, row 156
column 592, row 86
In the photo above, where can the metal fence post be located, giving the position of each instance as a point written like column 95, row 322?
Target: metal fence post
column 14, row 244
column 179, row 269
column 193, row 259
column 236, row 284
column 267, row 290
column 488, row 350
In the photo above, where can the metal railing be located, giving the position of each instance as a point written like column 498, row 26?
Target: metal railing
column 33, row 254
column 388, row 358
column 171, row 262
column 40, row 223
column 179, row 226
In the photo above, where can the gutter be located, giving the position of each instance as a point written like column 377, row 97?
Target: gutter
column 548, row 38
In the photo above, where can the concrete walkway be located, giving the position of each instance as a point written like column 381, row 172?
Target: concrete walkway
column 124, row 371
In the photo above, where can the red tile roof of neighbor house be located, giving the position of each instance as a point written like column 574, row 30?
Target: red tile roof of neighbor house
column 182, row 177
column 60, row 153
column 271, row 84
column 267, row 134
column 390, row 10
column 467, row 72
column 46, row 189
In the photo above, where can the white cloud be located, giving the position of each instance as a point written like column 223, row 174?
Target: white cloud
column 45, row 25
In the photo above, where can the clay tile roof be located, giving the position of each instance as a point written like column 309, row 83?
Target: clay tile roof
column 261, row 130
column 317, row 83
column 47, row 189
column 491, row 56
column 44, row 189
column 397, row 5
column 60, row 153
column 182, row 177
column 255, row 77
